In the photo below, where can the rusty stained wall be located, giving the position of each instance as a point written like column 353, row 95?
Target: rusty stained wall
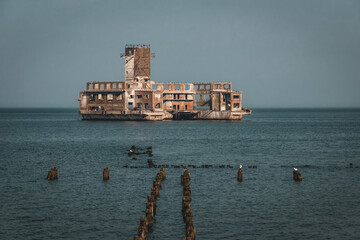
column 236, row 101
column 176, row 96
column 173, row 87
column 158, row 101
column 142, row 62
column 143, row 100
column 215, row 86
column 96, row 86
column 112, row 96
column 114, row 101
column 139, row 84
column 137, row 63
column 216, row 95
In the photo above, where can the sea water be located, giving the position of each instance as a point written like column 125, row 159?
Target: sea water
column 267, row 204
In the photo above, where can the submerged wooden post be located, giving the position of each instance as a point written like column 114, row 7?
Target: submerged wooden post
column 239, row 174
column 297, row 175
column 52, row 174
column 106, row 174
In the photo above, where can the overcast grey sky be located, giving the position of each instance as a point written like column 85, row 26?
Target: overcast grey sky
column 279, row 53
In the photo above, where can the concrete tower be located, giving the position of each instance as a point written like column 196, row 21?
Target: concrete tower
column 137, row 66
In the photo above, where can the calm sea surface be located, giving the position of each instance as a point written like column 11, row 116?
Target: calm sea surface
column 268, row 204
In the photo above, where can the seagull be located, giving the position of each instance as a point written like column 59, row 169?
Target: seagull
column 295, row 169
column 240, row 166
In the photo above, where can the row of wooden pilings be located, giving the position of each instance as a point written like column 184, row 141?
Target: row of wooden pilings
column 53, row 173
column 147, row 222
column 296, row 174
column 186, row 206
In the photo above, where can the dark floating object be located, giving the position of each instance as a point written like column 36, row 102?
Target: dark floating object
column 351, row 165
column 106, row 174
column 222, row 166
column 133, row 152
column 134, row 158
column 250, row 166
column 254, row 166
column 239, row 174
column 52, row 174
column 297, row 175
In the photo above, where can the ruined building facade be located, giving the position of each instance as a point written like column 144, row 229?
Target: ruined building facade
column 139, row 98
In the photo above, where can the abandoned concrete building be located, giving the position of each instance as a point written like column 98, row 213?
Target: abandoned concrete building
column 140, row 98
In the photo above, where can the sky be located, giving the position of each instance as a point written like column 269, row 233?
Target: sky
column 279, row 53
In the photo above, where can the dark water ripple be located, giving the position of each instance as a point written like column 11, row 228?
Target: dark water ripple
column 266, row 205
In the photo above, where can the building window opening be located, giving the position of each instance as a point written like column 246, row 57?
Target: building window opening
column 102, row 86
column 236, row 96
column 118, row 96
column 197, row 97
column 114, row 86
column 131, row 96
column 236, row 105
column 154, row 86
column 91, row 86
column 139, row 105
column 227, row 86
column 187, row 87
column 130, row 105
column 110, row 97
column 100, row 97
column 146, row 106
column 177, row 87
column 186, row 107
column 157, row 105
column 92, row 98
column 207, row 97
column 139, row 96
column 202, row 107
column 166, row 87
